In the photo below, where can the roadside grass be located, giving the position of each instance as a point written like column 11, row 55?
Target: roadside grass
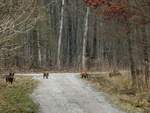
column 16, row 98
column 120, row 93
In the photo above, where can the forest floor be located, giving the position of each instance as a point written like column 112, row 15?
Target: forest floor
column 119, row 91
column 67, row 93
column 16, row 98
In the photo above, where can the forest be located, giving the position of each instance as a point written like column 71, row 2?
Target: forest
column 96, row 35
column 105, row 36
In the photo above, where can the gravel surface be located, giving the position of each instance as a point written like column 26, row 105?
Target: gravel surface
column 66, row 93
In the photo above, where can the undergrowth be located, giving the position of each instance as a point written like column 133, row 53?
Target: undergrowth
column 16, row 98
column 120, row 92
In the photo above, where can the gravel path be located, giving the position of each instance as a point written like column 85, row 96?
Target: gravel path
column 66, row 93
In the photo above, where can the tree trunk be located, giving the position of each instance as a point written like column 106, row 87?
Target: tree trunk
column 39, row 47
column 60, row 35
column 34, row 64
column 84, row 59
column 146, row 57
column 131, row 59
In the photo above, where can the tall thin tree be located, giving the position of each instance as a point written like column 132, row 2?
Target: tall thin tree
column 60, row 35
column 84, row 59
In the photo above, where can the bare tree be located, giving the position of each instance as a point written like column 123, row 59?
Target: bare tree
column 84, row 57
column 60, row 35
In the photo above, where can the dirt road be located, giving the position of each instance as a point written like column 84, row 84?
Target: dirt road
column 66, row 93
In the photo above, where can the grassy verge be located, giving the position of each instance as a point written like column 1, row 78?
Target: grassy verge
column 120, row 93
column 16, row 98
